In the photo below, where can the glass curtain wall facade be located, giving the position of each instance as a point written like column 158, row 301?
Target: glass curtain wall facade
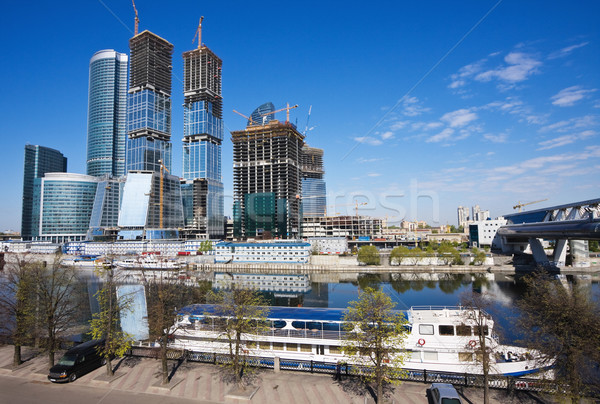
column 38, row 161
column 66, row 204
column 105, row 213
column 261, row 116
column 314, row 191
column 107, row 105
column 203, row 135
column 149, row 103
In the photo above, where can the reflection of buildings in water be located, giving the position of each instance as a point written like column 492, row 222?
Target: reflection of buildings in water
column 318, row 296
column 287, row 285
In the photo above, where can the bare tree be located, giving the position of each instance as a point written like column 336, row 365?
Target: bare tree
column 563, row 325
column 243, row 312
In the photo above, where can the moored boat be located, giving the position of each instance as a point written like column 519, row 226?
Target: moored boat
column 148, row 262
column 441, row 339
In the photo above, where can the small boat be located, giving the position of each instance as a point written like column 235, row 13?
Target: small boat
column 148, row 262
column 441, row 339
column 87, row 261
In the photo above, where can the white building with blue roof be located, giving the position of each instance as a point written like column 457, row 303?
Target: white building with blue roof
column 273, row 252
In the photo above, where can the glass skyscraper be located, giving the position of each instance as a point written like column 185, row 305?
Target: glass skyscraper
column 314, row 191
column 107, row 114
column 202, row 138
column 149, row 103
column 39, row 160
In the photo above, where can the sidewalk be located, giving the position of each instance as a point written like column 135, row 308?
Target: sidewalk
column 202, row 382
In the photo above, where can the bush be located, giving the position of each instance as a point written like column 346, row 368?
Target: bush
column 369, row 255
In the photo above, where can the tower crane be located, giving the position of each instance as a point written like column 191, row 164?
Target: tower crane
column 137, row 20
column 287, row 109
column 199, row 33
column 244, row 116
column 519, row 205
column 356, row 205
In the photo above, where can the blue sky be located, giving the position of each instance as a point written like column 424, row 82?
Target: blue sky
column 419, row 106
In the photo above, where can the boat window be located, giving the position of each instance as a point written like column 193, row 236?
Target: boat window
column 484, row 328
column 299, row 325
column 335, row 350
column 426, row 329
column 430, row 355
column 463, row 330
column 291, row 347
column 278, row 323
column 446, row 330
column 415, row 355
column 264, row 345
column 305, row 348
column 278, row 346
column 465, row 356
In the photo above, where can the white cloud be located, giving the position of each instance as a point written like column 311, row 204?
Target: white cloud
column 570, row 95
column 364, row 160
column 411, row 106
column 565, row 140
column 387, row 135
column 368, row 140
column 426, row 125
column 566, row 51
column 373, row 175
column 572, row 124
column 459, row 118
column 398, row 125
column 498, row 138
column 459, row 79
column 519, row 66
column 443, row 135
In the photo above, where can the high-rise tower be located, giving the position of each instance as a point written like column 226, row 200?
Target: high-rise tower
column 202, row 138
column 39, row 160
column 149, row 103
column 107, row 105
column 314, row 199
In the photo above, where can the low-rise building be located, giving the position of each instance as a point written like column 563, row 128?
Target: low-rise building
column 274, row 252
column 328, row 245
column 484, row 233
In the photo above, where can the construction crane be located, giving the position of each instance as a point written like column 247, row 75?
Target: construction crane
column 244, row 116
column 519, row 205
column 307, row 118
column 356, row 205
column 199, row 33
column 137, row 20
column 160, row 197
column 287, row 109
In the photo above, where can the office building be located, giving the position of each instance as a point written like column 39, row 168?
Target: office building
column 105, row 211
column 65, row 207
column 262, row 115
column 267, row 181
column 483, row 233
column 202, row 137
column 38, row 161
column 463, row 216
column 314, row 192
column 107, row 116
column 149, row 103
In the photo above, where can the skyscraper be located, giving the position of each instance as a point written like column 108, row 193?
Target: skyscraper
column 39, row 160
column 107, row 114
column 202, row 138
column 149, row 103
column 261, row 116
column 463, row 215
column 314, row 199
column 267, row 180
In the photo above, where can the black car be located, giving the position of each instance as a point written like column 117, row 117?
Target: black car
column 77, row 361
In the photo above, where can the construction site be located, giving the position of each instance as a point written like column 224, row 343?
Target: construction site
column 266, row 161
column 351, row 227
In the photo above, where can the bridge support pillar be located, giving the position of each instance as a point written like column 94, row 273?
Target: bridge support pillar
column 560, row 253
column 539, row 254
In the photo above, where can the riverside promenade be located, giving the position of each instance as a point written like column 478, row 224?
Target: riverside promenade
column 201, row 383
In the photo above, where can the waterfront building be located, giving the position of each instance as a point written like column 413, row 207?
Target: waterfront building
column 151, row 207
column 65, row 208
column 483, row 233
column 38, row 161
column 202, row 187
column 105, row 212
column 328, row 245
column 267, row 181
column 314, row 192
column 107, row 103
column 149, row 103
column 273, row 252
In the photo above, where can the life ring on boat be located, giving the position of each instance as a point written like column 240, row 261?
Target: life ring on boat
column 421, row 342
column 472, row 343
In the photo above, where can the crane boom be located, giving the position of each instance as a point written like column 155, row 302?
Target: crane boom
column 287, row 109
column 199, row 33
column 137, row 20
column 244, row 116
column 519, row 205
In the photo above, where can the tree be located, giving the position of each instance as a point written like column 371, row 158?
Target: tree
column 563, row 325
column 17, row 306
column 375, row 336
column 448, row 254
column 246, row 312
column 478, row 256
column 58, row 302
column 106, row 323
column 368, row 254
column 593, row 246
column 399, row 254
column 205, row 246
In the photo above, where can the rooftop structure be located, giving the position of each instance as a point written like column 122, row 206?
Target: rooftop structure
column 267, row 180
column 107, row 104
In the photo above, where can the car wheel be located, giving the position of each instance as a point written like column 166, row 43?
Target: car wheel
column 72, row 377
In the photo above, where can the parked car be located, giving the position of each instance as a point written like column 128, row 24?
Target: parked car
column 77, row 361
column 444, row 393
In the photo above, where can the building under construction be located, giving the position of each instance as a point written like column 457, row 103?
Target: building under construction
column 350, row 227
column 149, row 103
column 314, row 192
column 267, row 181
column 202, row 138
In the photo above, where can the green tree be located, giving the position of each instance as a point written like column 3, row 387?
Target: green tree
column 369, row 255
column 478, row 256
column 17, row 308
column 246, row 312
column 399, row 254
column 448, row 254
column 593, row 246
column 375, row 335
column 205, row 246
column 563, row 325
column 105, row 324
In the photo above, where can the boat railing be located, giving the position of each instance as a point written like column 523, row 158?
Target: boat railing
column 465, row 309
column 274, row 332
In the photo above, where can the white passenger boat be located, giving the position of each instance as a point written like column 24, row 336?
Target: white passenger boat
column 440, row 339
column 87, row 262
column 148, row 263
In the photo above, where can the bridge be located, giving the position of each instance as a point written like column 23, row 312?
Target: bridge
column 570, row 225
